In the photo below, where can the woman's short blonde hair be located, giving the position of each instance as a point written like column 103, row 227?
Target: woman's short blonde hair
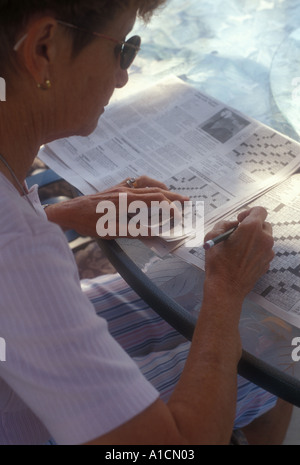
column 91, row 15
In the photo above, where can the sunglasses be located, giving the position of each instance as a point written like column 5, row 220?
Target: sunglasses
column 126, row 50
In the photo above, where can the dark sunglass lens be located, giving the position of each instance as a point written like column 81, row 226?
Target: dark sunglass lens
column 129, row 52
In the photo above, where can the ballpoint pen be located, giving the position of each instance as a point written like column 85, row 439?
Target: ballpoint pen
column 216, row 240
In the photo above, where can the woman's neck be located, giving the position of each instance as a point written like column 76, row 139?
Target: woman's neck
column 19, row 143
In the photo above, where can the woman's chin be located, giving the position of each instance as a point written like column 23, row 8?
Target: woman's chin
column 90, row 128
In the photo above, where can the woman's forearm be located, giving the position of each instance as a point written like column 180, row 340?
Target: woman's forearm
column 203, row 403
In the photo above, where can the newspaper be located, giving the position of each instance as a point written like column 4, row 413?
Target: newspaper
column 204, row 149
column 182, row 137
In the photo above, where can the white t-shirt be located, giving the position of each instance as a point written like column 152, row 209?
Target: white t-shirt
column 64, row 376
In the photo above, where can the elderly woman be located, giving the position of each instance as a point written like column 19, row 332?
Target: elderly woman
column 93, row 364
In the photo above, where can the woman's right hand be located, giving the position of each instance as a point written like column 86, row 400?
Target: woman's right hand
column 245, row 256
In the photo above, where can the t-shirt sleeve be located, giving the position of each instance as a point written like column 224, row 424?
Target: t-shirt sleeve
column 60, row 358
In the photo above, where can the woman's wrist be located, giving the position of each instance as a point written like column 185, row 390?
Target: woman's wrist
column 224, row 291
column 58, row 213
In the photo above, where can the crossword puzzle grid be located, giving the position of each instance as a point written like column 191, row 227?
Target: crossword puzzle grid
column 264, row 153
column 281, row 285
column 188, row 184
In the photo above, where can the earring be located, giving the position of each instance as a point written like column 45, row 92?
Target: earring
column 45, row 86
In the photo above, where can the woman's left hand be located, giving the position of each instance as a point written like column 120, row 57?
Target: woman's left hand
column 80, row 213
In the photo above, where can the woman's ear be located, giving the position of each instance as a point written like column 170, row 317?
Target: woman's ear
column 38, row 49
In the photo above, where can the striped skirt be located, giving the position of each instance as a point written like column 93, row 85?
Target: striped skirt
column 159, row 350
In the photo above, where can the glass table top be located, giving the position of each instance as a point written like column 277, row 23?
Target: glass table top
column 285, row 80
column 245, row 53
column 238, row 51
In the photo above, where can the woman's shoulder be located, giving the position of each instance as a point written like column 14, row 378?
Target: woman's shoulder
column 20, row 220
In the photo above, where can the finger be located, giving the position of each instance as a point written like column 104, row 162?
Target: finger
column 156, row 194
column 220, row 228
column 269, row 261
column 255, row 213
column 268, row 228
column 145, row 181
column 157, row 203
column 243, row 215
